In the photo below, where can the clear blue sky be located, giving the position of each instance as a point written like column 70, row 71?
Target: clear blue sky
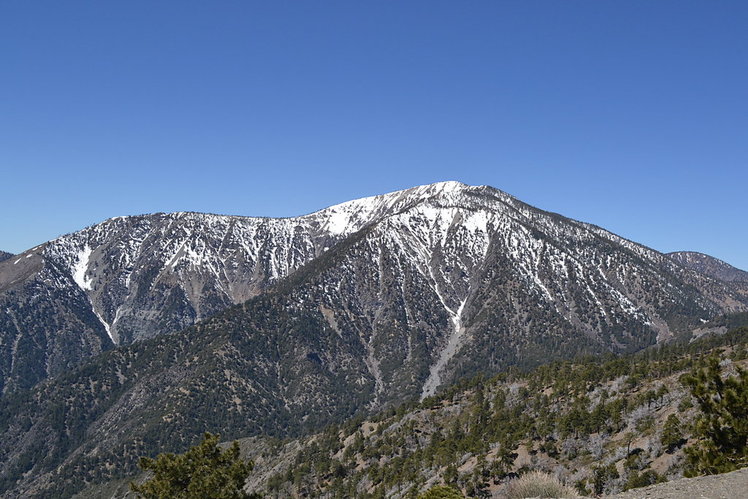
column 631, row 115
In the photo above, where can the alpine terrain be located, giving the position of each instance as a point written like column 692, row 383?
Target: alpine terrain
column 710, row 266
column 135, row 335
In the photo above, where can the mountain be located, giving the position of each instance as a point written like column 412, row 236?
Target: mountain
column 131, row 278
column 5, row 255
column 710, row 266
column 354, row 308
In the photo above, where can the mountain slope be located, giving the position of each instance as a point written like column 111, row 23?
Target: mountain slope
column 47, row 325
column 131, row 278
column 568, row 418
column 440, row 282
column 577, row 420
column 146, row 275
column 709, row 265
column 4, row 255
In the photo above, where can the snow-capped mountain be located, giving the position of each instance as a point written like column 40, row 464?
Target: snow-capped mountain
column 130, row 278
column 304, row 321
column 466, row 252
column 145, row 275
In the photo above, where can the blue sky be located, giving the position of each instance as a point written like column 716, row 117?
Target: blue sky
column 630, row 115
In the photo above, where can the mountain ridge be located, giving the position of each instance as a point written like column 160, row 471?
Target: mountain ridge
column 131, row 278
column 167, row 289
column 709, row 265
column 433, row 292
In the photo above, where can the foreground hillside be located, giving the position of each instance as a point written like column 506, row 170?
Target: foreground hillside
column 601, row 426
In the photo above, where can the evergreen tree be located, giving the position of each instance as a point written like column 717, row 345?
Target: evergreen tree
column 602, row 475
column 723, row 424
column 204, row 471
column 441, row 492
column 672, row 433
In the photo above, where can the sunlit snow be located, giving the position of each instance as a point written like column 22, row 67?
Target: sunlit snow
column 80, row 268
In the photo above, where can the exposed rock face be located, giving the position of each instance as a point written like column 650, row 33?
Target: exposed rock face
column 4, row 255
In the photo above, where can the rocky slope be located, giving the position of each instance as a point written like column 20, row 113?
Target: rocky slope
column 363, row 305
column 4, row 255
column 131, row 278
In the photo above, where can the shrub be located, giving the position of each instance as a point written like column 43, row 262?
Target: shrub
column 441, row 492
column 636, row 480
column 538, row 484
column 205, row 471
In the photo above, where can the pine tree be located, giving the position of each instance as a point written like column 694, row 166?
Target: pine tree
column 723, row 424
column 204, row 471
column 672, row 433
column 441, row 492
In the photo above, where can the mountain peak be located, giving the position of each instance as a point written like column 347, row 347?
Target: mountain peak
column 350, row 216
column 445, row 186
column 445, row 281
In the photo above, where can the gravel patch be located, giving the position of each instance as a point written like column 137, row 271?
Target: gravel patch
column 733, row 485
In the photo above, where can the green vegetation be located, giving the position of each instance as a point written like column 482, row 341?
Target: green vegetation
column 723, row 424
column 672, row 433
column 441, row 492
column 204, row 471
column 601, row 476
column 637, row 479
column 578, row 417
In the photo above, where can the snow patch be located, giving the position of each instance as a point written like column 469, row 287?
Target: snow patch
column 80, row 268
column 477, row 221
column 337, row 223
column 104, row 323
